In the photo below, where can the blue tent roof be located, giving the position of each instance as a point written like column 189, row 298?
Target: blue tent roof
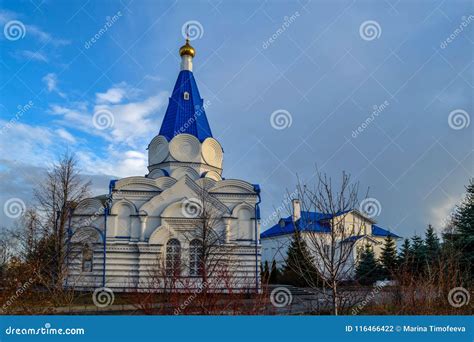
column 314, row 221
column 185, row 114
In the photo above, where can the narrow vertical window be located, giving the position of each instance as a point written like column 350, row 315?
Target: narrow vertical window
column 186, row 95
column 195, row 258
column 87, row 258
column 173, row 258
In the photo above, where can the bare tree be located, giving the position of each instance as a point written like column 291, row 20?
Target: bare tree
column 56, row 196
column 196, row 278
column 208, row 235
column 331, row 245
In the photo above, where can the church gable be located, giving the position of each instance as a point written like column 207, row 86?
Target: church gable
column 183, row 189
column 89, row 206
column 232, row 186
column 137, row 184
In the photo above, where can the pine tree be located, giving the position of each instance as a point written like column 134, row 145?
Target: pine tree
column 418, row 255
column 299, row 267
column 463, row 221
column 388, row 258
column 367, row 271
column 274, row 274
column 405, row 256
column 432, row 246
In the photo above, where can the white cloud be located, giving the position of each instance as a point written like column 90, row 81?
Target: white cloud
column 51, row 81
column 117, row 93
column 441, row 213
column 33, row 55
column 117, row 163
column 32, row 30
column 39, row 146
column 113, row 95
column 135, row 123
column 66, row 135
column 32, row 143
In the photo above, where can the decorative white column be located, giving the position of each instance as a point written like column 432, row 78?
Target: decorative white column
column 227, row 230
column 143, row 215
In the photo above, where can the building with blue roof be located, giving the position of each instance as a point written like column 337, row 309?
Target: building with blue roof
column 357, row 228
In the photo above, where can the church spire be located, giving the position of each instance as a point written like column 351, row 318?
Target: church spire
column 186, row 111
column 187, row 53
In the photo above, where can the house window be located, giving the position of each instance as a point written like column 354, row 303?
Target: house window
column 87, row 256
column 195, row 258
column 186, row 95
column 173, row 258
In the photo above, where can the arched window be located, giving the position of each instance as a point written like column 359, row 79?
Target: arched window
column 87, row 258
column 195, row 258
column 173, row 258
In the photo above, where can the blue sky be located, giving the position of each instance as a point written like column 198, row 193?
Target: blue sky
column 322, row 70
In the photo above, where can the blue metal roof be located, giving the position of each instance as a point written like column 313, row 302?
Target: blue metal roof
column 314, row 221
column 185, row 115
column 310, row 221
column 379, row 231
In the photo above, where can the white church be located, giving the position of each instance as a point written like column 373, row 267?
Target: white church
column 178, row 226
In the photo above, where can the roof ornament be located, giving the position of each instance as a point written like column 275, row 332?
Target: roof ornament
column 187, row 49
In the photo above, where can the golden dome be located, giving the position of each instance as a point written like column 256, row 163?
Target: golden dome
column 187, row 49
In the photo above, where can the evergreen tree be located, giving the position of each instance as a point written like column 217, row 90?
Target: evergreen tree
column 463, row 221
column 432, row 246
column 299, row 268
column 405, row 256
column 274, row 274
column 388, row 258
column 418, row 255
column 367, row 271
